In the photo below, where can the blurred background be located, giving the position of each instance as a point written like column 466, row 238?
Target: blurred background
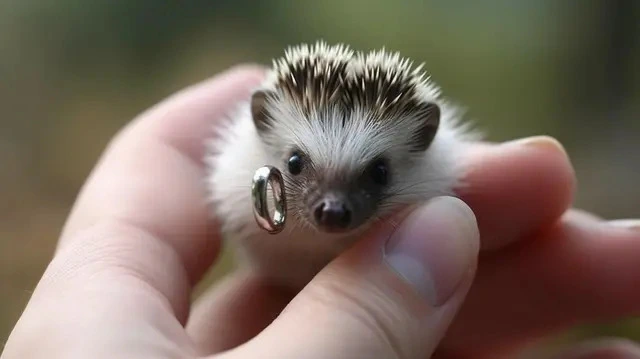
column 73, row 72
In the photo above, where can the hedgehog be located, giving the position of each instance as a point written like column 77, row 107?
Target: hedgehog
column 356, row 136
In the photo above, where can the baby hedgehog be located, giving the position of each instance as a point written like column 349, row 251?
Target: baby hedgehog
column 355, row 135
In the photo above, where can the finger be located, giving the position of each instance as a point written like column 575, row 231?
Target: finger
column 582, row 270
column 603, row 349
column 149, row 181
column 517, row 187
column 234, row 310
column 383, row 298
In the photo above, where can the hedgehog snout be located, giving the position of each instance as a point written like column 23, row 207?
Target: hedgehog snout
column 332, row 213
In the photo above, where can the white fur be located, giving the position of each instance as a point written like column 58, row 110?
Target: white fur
column 295, row 255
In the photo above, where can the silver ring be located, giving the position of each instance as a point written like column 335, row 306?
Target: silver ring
column 269, row 175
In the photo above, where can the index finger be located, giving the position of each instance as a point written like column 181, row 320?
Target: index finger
column 150, row 179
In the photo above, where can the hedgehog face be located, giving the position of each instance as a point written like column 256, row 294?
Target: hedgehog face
column 342, row 169
column 346, row 129
column 334, row 197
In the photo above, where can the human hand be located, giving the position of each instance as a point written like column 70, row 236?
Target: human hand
column 139, row 237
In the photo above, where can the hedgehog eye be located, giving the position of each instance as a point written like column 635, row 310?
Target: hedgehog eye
column 295, row 164
column 379, row 172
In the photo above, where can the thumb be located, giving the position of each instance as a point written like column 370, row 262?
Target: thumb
column 393, row 296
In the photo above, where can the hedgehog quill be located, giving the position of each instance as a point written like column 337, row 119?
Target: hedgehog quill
column 354, row 135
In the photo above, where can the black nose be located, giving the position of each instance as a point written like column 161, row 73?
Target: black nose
column 332, row 215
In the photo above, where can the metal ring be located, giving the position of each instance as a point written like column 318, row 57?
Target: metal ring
column 264, row 176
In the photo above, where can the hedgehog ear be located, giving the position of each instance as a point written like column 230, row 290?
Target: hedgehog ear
column 429, row 119
column 261, row 118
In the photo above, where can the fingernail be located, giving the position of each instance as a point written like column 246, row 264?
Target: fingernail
column 434, row 247
column 632, row 224
column 541, row 142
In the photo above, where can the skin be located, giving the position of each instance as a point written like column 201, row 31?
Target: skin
column 139, row 238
